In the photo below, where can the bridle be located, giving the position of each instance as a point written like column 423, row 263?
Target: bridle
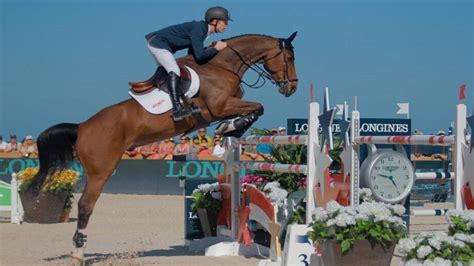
column 262, row 73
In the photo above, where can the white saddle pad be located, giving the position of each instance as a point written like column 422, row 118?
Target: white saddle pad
column 157, row 102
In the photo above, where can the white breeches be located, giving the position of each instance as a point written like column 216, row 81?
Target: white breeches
column 164, row 58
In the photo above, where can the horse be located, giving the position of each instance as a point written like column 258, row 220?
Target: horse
column 99, row 142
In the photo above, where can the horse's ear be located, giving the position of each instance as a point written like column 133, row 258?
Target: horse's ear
column 292, row 37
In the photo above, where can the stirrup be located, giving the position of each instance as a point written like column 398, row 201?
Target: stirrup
column 180, row 114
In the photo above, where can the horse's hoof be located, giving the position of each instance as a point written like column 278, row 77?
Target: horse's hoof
column 76, row 259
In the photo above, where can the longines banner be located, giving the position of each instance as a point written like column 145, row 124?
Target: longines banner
column 368, row 127
column 133, row 176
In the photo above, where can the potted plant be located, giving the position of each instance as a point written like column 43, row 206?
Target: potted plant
column 440, row 248
column 206, row 202
column 361, row 235
column 54, row 202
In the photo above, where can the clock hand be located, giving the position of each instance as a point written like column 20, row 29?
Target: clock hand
column 384, row 176
column 393, row 182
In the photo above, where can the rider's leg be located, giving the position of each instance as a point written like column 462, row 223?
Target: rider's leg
column 164, row 58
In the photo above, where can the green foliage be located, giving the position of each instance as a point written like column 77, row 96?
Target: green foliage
column 459, row 225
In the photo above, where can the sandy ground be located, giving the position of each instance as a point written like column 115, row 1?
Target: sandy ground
column 128, row 229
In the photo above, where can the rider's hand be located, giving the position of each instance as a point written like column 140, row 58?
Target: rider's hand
column 220, row 45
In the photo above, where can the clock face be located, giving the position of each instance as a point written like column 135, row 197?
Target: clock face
column 391, row 177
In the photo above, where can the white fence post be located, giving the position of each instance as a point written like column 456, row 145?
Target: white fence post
column 460, row 138
column 16, row 207
column 312, row 144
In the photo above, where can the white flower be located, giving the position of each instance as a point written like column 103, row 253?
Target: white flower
column 413, row 262
column 320, row 214
column 461, row 236
column 333, row 208
column 330, row 222
column 423, row 251
column 362, row 217
column 442, row 262
column 344, row 219
column 458, row 244
column 405, row 245
column 271, row 185
column 277, row 195
column 434, row 242
column 216, row 195
column 398, row 209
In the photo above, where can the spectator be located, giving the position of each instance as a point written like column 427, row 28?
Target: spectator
column 14, row 145
column 274, row 131
column 204, row 149
column 3, row 145
column 265, row 150
column 250, row 150
column 282, row 131
column 165, row 149
column 133, row 152
column 202, row 135
column 217, row 137
column 218, row 150
column 149, row 150
column 183, row 147
column 29, row 147
column 194, row 149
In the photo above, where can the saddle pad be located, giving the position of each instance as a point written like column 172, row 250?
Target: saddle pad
column 157, row 101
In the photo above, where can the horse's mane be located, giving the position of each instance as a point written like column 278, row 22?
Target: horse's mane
column 248, row 35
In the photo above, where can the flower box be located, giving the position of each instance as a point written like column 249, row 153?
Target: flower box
column 362, row 252
column 46, row 207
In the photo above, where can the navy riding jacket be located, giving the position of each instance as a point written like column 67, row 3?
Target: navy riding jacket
column 189, row 35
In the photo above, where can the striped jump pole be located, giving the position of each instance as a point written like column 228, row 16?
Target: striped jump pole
column 432, row 212
column 407, row 140
column 275, row 168
column 289, row 139
column 434, row 175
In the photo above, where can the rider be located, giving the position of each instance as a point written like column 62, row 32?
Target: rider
column 165, row 42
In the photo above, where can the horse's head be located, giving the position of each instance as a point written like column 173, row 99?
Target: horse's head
column 280, row 63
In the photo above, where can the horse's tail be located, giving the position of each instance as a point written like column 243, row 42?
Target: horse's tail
column 56, row 152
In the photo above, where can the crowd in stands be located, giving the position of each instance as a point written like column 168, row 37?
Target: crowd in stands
column 26, row 148
column 198, row 147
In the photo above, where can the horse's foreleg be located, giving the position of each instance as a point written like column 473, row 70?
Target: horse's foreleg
column 246, row 114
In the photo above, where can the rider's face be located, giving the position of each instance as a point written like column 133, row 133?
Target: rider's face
column 221, row 26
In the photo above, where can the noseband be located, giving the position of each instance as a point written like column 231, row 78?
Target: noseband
column 262, row 73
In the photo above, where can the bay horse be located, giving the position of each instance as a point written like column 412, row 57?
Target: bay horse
column 99, row 142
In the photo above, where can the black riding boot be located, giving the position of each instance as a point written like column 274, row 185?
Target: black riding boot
column 179, row 111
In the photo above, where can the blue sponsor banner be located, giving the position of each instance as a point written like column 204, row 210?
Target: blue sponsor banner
column 368, row 126
column 151, row 177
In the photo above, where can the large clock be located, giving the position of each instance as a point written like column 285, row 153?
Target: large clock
column 388, row 173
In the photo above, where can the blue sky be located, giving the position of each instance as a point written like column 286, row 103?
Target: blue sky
column 63, row 61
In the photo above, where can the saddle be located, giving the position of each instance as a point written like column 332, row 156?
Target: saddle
column 159, row 78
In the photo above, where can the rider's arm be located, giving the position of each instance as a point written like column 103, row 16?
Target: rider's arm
column 200, row 54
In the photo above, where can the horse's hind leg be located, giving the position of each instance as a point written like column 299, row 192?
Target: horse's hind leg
column 98, row 166
column 94, row 186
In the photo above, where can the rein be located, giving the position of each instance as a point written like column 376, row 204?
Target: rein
column 262, row 73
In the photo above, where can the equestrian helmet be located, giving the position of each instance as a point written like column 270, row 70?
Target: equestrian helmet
column 218, row 13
